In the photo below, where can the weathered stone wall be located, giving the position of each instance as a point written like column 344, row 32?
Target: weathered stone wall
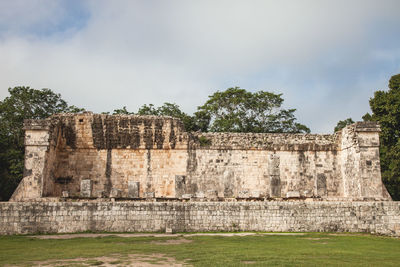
column 132, row 216
column 94, row 156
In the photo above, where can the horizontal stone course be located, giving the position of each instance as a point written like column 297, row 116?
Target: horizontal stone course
column 63, row 217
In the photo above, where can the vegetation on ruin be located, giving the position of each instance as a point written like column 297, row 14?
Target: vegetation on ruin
column 23, row 103
column 237, row 110
column 385, row 107
column 263, row 115
column 310, row 249
column 341, row 124
column 232, row 110
column 204, row 141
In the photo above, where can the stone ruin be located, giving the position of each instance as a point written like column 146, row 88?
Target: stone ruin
column 129, row 157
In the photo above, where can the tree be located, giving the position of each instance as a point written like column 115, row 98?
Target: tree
column 237, row 110
column 123, row 111
column 172, row 110
column 23, row 103
column 385, row 107
column 341, row 124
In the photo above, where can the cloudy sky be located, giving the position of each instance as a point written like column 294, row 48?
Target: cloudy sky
column 326, row 57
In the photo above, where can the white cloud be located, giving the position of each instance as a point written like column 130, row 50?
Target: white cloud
column 136, row 52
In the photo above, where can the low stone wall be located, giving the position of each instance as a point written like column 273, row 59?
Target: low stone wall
column 63, row 217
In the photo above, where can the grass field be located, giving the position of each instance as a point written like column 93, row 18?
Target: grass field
column 310, row 249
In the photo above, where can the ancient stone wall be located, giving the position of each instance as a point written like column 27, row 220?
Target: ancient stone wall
column 133, row 216
column 136, row 157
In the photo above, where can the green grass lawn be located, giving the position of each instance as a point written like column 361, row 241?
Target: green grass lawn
column 311, row 249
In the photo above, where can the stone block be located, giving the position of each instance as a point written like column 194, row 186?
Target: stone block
column 256, row 194
column 244, row 194
column 133, row 189
column 186, row 196
column 150, row 195
column 293, row 194
column 321, row 185
column 86, row 188
column 211, row 194
column 101, row 194
column 65, row 193
column 200, row 195
column 180, row 184
column 275, row 186
column 115, row 193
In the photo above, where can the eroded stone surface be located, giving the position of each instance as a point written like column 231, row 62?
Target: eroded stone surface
column 130, row 156
column 133, row 216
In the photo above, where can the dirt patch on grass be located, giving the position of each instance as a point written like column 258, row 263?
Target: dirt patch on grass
column 69, row 236
column 248, row 262
column 172, row 242
column 113, row 260
column 348, row 234
column 316, row 238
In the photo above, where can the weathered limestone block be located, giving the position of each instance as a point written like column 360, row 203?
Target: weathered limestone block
column 133, row 189
column 115, row 193
column 293, row 194
column 150, row 195
column 256, row 194
column 186, row 196
column 321, row 185
column 86, row 188
column 244, row 194
column 211, row 194
column 180, row 185
column 200, row 195
column 274, row 175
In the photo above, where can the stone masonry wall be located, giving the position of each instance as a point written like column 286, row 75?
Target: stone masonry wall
column 130, row 216
column 135, row 157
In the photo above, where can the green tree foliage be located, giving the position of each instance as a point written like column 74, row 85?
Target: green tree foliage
column 385, row 107
column 170, row 109
column 122, row 111
column 23, row 103
column 341, row 124
column 237, row 110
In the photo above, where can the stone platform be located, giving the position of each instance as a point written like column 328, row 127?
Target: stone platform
column 378, row 217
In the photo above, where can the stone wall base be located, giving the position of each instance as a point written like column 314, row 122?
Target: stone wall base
column 271, row 216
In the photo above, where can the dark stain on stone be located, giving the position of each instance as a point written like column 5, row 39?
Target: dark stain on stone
column 321, row 184
column 135, row 135
column 123, row 133
column 69, row 133
column 63, row 180
column 302, row 157
column 192, row 188
column 191, row 165
column 108, row 184
column 27, row 172
column 148, row 134
column 111, row 124
column 172, row 136
column 229, row 181
column 180, row 184
column 275, row 185
column 149, row 174
column 158, row 133
column 97, row 132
